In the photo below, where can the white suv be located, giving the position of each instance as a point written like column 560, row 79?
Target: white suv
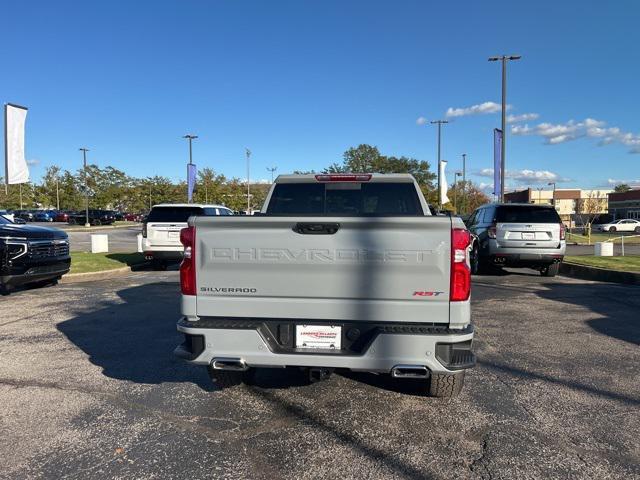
column 161, row 230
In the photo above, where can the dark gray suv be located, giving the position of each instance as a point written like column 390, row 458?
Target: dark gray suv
column 517, row 235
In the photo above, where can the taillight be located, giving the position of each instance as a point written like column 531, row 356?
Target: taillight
column 491, row 231
column 144, row 230
column 341, row 177
column 188, row 266
column 563, row 233
column 460, row 271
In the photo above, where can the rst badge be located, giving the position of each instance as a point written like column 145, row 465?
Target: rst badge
column 423, row 293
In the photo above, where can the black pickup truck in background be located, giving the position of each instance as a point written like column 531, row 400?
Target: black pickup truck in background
column 96, row 217
column 31, row 255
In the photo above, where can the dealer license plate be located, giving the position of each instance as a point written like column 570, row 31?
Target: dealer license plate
column 528, row 236
column 174, row 235
column 319, row 336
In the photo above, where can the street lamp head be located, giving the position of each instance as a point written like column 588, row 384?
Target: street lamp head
column 82, row 149
column 494, row 59
column 189, row 136
column 515, row 57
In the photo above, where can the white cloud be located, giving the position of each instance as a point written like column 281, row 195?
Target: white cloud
column 526, row 176
column 33, row 162
column 555, row 134
column 612, row 182
column 524, row 117
column 421, row 121
column 480, row 109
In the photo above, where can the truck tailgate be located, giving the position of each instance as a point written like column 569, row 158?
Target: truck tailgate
column 371, row 269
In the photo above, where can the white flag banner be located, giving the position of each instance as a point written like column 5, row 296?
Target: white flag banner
column 16, row 168
column 443, row 183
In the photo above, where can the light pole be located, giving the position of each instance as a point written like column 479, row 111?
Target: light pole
column 503, row 59
column 272, row 169
column 539, row 195
column 455, row 191
column 464, row 181
column 554, row 193
column 248, row 153
column 439, row 123
column 189, row 137
column 86, row 188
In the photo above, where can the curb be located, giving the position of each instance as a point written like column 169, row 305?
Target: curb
column 92, row 229
column 584, row 272
column 101, row 275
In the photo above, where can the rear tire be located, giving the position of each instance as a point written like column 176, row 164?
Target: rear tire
column 478, row 265
column 228, row 378
column 550, row 270
column 72, row 221
column 445, row 385
column 637, row 230
column 612, row 229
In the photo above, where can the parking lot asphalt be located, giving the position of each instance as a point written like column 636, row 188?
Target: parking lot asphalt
column 89, row 389
column 120, row 239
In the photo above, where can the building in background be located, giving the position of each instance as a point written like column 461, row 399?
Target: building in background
column 575, row 206
column 625, row 204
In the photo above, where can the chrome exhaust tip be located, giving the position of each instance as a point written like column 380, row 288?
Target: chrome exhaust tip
column 410, row 371
column 235, row 364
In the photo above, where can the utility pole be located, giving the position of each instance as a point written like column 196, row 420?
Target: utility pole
column 464, row 181
column 86, row 189
column 149, row 196
column 439, row 123
column 554, row 193
column 455, row 191
column 504, row 59
column 272, row 169
column 57, row 193
column 189, row 137
column 248, row 153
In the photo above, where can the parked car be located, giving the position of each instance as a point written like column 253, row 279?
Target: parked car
column 26, row 215
column 31, row 255
column 161, row 230
column 133, row 217
column 96, row 217
column 61, row 216
column 625, row 225
column 119, row 216
column 339, row 271
column 43, row 216
column 517, row 235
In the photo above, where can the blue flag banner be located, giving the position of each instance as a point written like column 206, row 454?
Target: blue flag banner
column 191, row 180
column 497, row 161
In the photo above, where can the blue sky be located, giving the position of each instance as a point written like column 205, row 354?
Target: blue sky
column 298, row 82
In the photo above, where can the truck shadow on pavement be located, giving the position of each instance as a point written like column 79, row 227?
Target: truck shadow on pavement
column 133, row 337
column 619, row 306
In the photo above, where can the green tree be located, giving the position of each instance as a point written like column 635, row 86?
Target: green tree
column 623, row 187
column 469, row 197
column 368, row 159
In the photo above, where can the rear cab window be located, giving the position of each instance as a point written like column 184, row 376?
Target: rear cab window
column 526, row 214
column 345, row 199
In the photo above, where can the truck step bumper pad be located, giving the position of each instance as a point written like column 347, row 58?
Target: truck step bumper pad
column 438, row 353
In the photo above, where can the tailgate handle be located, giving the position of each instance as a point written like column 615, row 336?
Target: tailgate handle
column 316, row 228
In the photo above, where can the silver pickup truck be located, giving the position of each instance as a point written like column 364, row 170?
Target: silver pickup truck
column 346, row 271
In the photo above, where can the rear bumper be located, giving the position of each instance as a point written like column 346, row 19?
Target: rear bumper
column 169, row 256
column 431, row 347
column 523, row 256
